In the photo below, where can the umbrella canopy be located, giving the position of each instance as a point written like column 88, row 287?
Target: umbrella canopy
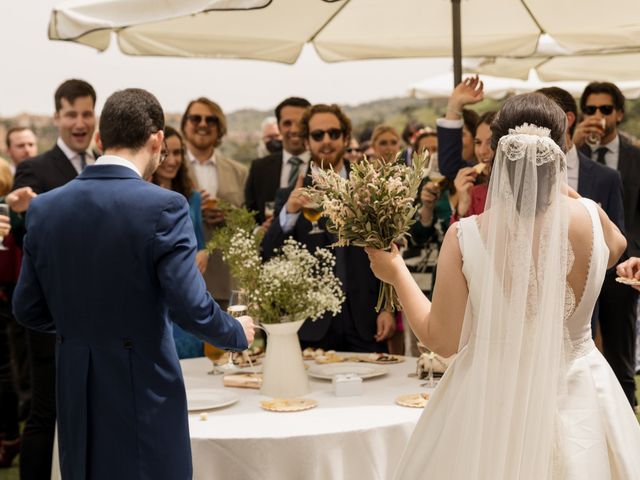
column 439, row 86
column 343, row 30
column 615, row 67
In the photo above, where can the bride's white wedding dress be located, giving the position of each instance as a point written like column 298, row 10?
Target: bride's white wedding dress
column 596, row 433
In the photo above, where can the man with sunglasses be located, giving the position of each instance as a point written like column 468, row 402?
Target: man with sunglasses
column 217, row 177
column 278, row 170
column 602, row 104
column 357, row 328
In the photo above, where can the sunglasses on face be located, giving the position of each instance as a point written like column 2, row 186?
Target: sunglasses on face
column 388, row 143
column 210, row 120
column 592, row 109
column 318, row 135
column 353, row 150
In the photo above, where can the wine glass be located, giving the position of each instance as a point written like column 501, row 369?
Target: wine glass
column 312, row 212
column 214, row 354
column 4, row 210
column 238, row 306
column 269, row 209
column 434, row 170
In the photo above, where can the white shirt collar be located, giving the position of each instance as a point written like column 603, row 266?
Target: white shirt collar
column 70, row 154
column 193, row 159
column 115, row 160
column 572, row 157
column 304, row 156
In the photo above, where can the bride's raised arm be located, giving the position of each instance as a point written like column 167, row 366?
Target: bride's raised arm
column 437, row 325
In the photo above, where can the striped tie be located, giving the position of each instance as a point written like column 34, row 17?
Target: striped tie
column 295, row 163
column 83, row 161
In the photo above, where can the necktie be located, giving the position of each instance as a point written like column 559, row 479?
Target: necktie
column 83, row 161
column 602, row 151
column 295, row 163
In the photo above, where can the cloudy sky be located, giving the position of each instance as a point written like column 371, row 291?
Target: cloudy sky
column 34, row 66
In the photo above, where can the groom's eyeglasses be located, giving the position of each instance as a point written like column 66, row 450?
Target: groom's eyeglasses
column 318, row 135
column 196, row 119
column 592, row 109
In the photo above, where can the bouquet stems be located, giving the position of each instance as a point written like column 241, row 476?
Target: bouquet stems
column 388, row 298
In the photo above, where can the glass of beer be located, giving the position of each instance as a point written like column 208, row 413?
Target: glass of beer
column 269, row 209
column 312, row 212
column 214, row 354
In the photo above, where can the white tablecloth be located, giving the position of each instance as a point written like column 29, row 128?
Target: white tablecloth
column 359, row 437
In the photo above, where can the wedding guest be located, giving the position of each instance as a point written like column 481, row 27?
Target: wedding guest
column 353, row 153
column 471, row 183
column 604, row 102
column 270, row 139
column 385, row 141
column 121, row 396
column 9, row 268
column 425, row 139
column 216, row 176
column 173, row 174
column 279, row 169
column 326, row 131
column 21, row 144
column 408, row 134
column 76, row 121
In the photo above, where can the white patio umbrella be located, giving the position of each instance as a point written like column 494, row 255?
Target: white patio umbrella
column 439, row 86
column 354, row 29
column 615, row 67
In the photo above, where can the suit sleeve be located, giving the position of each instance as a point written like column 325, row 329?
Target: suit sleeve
column 29, row 303
column 273, row 239
column 450, row 151
column 26, row 177
column 183, row 287
column 615, row 207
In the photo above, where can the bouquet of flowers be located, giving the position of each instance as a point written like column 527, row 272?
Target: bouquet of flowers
column 374, row 207
column 294, row 285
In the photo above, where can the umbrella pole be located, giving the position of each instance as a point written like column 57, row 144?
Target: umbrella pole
column 457, row 42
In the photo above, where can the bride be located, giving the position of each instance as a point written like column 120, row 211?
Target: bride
column 528, row 395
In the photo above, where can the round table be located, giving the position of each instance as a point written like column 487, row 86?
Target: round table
column 342, row 438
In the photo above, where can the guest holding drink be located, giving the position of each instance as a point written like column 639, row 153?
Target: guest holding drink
column 326, row 131
column 173, row 174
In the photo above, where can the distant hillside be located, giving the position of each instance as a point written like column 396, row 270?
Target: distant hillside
column 242, row 139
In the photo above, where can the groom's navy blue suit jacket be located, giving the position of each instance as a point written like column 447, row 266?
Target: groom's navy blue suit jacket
column 105, row 257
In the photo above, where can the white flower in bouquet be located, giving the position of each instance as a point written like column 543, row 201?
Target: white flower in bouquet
column 372, row 208
column 293, row 285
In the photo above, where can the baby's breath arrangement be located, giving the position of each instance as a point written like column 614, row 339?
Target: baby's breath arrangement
column 371, row 208
column 293, row 285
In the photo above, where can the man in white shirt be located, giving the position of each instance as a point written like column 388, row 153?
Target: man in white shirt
column 216, row 176
column 279, row 169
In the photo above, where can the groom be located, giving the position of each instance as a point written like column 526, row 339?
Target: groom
column 105, row 256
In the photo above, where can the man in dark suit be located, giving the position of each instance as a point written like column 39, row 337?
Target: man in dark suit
column 327, row 131
column 602, row 104
column 102, row 277
column 279, row 169
column 75, row 118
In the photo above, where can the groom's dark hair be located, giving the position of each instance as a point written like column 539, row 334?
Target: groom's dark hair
column 129, row 118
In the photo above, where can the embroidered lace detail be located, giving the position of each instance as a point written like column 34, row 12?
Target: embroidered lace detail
column 579, row 348
column 515, row 144
column 569, row 295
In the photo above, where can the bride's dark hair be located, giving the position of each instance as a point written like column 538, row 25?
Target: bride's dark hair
column 534, row 109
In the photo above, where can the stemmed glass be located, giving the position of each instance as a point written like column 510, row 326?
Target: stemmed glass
column 238, row 306
column 312, row 212
column 430, row 383
column 4, row 210
column 269, row 209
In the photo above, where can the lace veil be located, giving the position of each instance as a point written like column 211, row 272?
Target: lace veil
column 515, row 331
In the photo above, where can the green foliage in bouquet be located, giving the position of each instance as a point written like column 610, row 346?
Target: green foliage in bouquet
column 293, row 285
column 374, row 207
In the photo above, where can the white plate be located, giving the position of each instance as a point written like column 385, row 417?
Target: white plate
column 208, row 398
column 363, row 370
